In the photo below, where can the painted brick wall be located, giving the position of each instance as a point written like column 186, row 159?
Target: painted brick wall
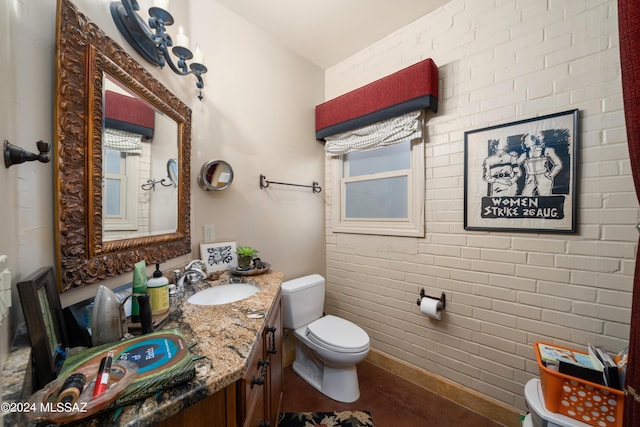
column 499, row 61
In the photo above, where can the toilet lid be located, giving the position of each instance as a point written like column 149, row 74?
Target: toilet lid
column 337, row 334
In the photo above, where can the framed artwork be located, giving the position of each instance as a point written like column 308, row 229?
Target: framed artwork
column 521, row 176
column 45, row 324
column 219, row 256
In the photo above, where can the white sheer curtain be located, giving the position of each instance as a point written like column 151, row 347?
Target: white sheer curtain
column 380, row 134
column 119, row 140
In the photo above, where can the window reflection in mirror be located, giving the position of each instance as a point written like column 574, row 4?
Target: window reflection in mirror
column 138, row 143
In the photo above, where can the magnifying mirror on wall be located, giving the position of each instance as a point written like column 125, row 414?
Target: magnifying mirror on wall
column 172, row 171
column 215, row 175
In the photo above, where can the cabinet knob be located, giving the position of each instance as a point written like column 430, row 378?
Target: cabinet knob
column 257, row 381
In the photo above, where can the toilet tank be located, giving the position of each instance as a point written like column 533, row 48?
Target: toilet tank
column 302, row 300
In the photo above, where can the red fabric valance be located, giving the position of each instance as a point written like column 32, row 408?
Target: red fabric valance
column 129, row 114
column 410, row 89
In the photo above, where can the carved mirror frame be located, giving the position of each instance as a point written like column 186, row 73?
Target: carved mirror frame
column 84, row 53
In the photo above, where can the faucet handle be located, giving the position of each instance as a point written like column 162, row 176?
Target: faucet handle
column 177, row 275
column 196, row 264
column 194, row 275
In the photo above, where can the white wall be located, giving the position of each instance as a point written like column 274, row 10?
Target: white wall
column 499, row 61
column 26, row 117
column 8, row 236
column 257, row 114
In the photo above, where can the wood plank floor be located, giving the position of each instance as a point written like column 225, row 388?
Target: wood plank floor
column 391, row 400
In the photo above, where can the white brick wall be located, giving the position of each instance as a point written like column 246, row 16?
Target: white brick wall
column 499, row 61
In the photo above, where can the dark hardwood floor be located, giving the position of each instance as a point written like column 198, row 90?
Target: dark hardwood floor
column 391, row 400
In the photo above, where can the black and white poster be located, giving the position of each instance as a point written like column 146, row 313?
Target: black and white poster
column 521, row 176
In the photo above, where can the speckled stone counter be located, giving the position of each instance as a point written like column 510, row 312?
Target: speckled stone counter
column 224, row 334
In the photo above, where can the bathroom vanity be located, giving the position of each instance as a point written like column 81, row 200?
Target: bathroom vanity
column 238, row 381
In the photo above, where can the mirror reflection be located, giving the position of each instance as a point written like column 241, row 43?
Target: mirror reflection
column 138, row 144
column 87, row 61
column 172, row 171
column 215, row 175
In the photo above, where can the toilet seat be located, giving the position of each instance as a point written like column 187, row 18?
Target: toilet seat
column 337, row 334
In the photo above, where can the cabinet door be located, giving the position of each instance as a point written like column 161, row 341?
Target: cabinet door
column 217, row 410
column 273, row 343
column 252, row 400
column 256, row 415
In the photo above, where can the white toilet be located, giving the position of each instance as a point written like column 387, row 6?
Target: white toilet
column 327, row 347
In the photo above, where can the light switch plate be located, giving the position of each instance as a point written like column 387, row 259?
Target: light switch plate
column 209, row 233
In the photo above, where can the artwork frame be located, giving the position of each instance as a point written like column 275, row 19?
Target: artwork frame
column 219, row 256
column 522, row 176
column 45, row 324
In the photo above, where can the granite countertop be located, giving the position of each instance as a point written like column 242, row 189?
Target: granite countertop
column 224, row 334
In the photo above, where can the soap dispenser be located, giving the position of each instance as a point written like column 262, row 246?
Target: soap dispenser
column 158, row 289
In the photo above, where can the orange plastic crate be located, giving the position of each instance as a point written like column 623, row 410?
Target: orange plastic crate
column 582, row 400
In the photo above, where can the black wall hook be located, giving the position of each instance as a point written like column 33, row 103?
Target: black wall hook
column 15, row 155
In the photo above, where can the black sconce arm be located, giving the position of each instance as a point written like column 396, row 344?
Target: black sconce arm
column 15, row 155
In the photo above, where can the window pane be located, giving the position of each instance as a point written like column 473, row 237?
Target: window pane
column 112, row 161
column 377, row 198
column 112, row 197
column 383, row 159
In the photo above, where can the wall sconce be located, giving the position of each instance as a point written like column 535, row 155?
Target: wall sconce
column 15, row 155
column 154, row 47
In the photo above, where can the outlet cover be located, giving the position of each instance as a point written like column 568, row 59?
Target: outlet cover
column 209, row 233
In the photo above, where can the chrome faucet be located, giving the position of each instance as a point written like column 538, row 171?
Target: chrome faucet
column 193, row 274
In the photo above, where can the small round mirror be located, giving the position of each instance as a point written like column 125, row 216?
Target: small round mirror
column 172, row 171
column 215, row 175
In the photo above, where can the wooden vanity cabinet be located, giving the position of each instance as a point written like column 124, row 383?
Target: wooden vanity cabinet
column 254, row 400
column 260, row 390
column 274, row 348
column 217, row 410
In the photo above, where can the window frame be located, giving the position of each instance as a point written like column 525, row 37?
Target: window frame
column 128, row 221
column 412, row 226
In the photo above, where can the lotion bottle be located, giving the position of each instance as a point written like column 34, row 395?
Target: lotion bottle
column 158, row 289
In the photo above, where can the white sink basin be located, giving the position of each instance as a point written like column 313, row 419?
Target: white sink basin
column 223, row 294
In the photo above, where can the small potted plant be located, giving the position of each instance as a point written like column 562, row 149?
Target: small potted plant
column 245, row 256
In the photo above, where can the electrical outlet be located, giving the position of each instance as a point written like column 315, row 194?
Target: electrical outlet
column 209, row 233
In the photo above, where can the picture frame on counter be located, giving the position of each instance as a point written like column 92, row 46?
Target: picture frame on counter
column 45, row 324
column 219, row 256
column 521, row 176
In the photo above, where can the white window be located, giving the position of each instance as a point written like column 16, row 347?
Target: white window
column 381, row 191
column 120, row 192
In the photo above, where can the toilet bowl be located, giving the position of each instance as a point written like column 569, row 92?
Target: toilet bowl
column 327, row 347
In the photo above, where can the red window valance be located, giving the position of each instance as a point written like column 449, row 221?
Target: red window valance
column 129, row 114
column 410, row 89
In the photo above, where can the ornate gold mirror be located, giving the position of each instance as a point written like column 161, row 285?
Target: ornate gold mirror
column 91, row 243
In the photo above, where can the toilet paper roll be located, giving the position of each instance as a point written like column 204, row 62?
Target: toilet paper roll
column 430, row 306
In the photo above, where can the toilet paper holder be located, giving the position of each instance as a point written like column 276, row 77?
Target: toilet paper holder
column 442, row 299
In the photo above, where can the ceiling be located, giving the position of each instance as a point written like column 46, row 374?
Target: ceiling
column 326, row 32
